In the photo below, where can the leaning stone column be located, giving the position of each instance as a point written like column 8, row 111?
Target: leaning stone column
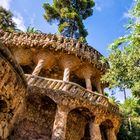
column 88, row 84
column 59, row 127
column 95, row 133
column 38, row 67
column 111, row 134
column 99, row 87
column 66, row 74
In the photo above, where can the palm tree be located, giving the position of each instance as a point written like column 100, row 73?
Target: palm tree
column 6, row 22
column 32, row 30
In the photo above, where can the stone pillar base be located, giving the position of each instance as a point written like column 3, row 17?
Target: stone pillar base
column 59, row 128
column 95, row 133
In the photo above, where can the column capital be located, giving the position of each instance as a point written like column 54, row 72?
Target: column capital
column 63, row 108
column 98, row 119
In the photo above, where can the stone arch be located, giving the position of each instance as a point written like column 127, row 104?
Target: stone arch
column 38, row 119
column 34, row 90
column 104, row 127
column 78, row 124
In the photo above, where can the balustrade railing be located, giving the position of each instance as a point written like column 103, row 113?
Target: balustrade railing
column 72, row 89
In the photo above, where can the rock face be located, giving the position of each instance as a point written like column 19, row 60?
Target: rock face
column 12, row 92
column 53, row 91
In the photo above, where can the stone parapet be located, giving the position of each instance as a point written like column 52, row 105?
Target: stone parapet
column 73, row 90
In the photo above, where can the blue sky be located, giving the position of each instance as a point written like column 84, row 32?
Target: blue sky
column 106, row 24
column 103, row 27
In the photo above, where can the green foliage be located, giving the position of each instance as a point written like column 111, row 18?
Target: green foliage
column 124, row 59
column 131, row 107
column 113, row 100
column 32, row 30
column 6, row 22
column 130, row 128
column 70, row 15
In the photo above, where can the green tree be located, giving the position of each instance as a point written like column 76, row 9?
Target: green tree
column 6, row 22
column 32, row 30
column 70, row 15
column 124, row 59
column 130, row 126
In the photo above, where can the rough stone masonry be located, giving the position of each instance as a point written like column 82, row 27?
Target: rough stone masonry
column 50, row 89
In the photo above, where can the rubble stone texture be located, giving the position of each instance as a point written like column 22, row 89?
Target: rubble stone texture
column 50, row 89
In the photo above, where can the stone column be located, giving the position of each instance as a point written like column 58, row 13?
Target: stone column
column 4, row 130
column 111, row 134
column 88, row 84
column 95, row 133
column 99, row 88
column 66, row 74
column 59, row 127
column 38, row 67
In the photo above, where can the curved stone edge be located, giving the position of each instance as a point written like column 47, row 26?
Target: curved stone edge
column 73, row 90
column 62, row 99
column 8, row 121
column 7, row 55
column 55, row 42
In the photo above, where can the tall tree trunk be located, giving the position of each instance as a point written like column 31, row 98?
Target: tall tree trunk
column 129, row 123
column 129, row 119
column 124, row 94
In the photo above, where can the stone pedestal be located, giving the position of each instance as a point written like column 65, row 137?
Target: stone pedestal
column 111, row 134
column 95, row 133
column 59, row 127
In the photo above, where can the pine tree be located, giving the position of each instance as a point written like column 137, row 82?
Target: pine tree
column 70, row 15
column 6, row 22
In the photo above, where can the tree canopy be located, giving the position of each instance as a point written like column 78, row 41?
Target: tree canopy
column 70, row 15
column 124, row 59
column 130, row 126
column 6, row 22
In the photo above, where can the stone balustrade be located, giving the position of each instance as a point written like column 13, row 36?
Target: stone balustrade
column 73, row 90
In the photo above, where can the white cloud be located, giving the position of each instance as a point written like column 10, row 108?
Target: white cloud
column 98, row 8
column 5, row 4
column 18, row 19
column 138, row 20
column 127, row 15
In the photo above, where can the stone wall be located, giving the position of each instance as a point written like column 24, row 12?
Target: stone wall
column 12, row 92
column 37, row 120
column 77, row 125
